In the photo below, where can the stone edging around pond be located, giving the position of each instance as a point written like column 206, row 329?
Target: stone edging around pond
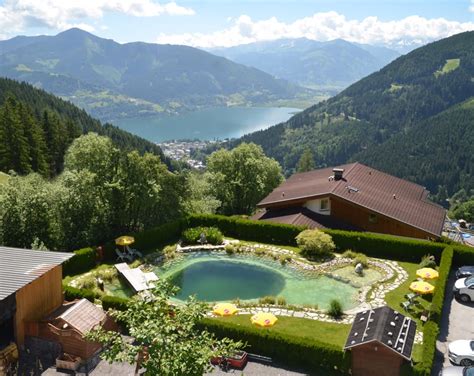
column 375, row 299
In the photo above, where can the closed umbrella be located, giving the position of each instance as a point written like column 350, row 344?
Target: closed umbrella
column 225, row 309
column 422, row 287
column 427, row 273
column 264, row 319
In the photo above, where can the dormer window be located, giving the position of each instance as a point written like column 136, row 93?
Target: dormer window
column 324, row 204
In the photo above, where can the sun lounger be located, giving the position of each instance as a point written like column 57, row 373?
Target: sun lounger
column 122, row 256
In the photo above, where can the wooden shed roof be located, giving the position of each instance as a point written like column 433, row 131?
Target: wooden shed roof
column 19, row 266
column 377, row 191
column 386, row 326
column 81, row 315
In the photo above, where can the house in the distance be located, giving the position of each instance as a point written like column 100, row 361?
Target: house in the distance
column 354, row 197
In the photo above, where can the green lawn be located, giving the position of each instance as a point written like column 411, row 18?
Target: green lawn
column 450, row 65
column 396, row 297
column 335, row 334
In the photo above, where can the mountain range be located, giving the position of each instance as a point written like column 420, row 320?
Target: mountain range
column 112, row 80
column 414, row 118
column 329, row 66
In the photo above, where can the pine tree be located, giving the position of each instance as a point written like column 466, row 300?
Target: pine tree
column 306, row 162
column 37, row 145
column 14, row 152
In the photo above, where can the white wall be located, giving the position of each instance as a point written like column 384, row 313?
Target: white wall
column 315, row 206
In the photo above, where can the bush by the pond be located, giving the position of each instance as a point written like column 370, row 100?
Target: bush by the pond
column 335, row 309
column 428, row 261
column 193, row 235
column 285, row 259
column 358, row 258
column 315, row 243
column 114, row 302
column 230, row 249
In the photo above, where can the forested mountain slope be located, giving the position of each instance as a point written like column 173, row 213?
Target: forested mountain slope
column 111, row 79
column 402, row 101
column 333, row 65
column 36, row 128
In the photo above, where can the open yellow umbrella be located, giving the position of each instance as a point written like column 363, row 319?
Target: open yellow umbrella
column 225, row 309
column 125, row 240
column 427, row 273
column 264, row 319
column 422, row 287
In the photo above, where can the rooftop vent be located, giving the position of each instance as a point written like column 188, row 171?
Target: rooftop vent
column 338, row 172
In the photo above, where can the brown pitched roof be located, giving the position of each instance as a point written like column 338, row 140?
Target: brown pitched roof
column 83, row 316
column 300, row 216
column 386, row 326
column 362, row 185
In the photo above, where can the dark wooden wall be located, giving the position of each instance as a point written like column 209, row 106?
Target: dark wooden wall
column 374, row 359
column 359, row 217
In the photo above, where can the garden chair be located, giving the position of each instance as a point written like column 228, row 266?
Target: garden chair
column 122, row 256
column 424, row 316
column 411, row 297
column 133, row 252
column 406, row 306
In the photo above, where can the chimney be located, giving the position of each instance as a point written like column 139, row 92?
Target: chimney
column 338, row 173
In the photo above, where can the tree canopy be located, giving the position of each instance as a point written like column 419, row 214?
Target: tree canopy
column 166, row 337
column 241, row 177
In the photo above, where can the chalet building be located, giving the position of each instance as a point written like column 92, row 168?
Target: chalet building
column 354, row 197
column 32, row 304
column 380, row 341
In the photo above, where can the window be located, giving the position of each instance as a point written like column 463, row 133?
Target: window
column 324, row 204
column 372, row 218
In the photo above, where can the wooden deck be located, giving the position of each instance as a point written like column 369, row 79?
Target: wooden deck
column 139, row 280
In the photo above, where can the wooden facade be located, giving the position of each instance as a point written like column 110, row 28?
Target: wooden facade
column 37, row 299
column 375, row 359
column 366, row 220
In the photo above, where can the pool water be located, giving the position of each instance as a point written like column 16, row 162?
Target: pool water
column 216, row 277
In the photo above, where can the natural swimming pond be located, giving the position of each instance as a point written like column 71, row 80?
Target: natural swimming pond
column 216, row 277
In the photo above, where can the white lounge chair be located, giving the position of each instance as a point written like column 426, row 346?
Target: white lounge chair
column 122, row 256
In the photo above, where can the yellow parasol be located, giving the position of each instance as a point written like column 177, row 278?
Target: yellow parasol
column 427, row 273
column 125, row 240
column 264, row 319
column 225, row 309
column 422, row 287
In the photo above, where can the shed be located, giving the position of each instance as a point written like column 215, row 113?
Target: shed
column 30, row 287
column 380, row 340
column 68, row 325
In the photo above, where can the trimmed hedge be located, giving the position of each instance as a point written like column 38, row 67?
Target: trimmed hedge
column 430, row 334
column 82, row 261
column 72, row 293
column 114, row 302
column 438, row 296
column 290, row 350
column 245, row 229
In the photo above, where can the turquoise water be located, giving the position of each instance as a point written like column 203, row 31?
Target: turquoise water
column 206, row 124
column 213, row 278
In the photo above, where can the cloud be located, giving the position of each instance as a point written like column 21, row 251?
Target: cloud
column 471, row 8
column 17, row 15
column 412, row 30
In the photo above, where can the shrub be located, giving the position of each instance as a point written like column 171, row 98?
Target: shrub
column 357, row 257
column 193, row 235
column 315, row 243
column 267, row 300
column 335, row 309
column 87, row 282
column 106, row 275
column 285, row 259
column 430, row 334
column 229, row 249
column 114, row 302
column 319, row 357
column 170, row 251
column 72, row 293
column 281, row 301
column 428, row 261
column 82, row 261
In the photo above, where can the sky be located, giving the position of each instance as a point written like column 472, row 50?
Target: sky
column 225, row 23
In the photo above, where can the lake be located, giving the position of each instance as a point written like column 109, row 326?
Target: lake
column 207, row 124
